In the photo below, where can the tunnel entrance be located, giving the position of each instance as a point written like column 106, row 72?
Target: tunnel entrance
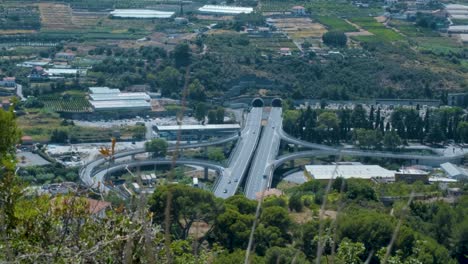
column 257, row 102
column 277, row 102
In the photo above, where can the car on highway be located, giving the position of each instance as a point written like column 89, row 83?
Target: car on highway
column 225, row 191
column 264, row 176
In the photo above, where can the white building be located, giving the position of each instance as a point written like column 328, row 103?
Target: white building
column 453, row 171
column 225, row 10
column 458, row 29
column 140, row 13
column 106, row 99
column 327, row 172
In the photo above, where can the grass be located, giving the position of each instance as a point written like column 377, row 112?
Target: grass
column 336, row 23
column 39, row 124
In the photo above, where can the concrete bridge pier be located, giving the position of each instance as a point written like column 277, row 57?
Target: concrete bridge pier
column 291, row 163
column 205, row 175
column 205, row 151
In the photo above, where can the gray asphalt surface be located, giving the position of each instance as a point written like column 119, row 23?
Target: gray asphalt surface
column 265, row 155
column 228, row 183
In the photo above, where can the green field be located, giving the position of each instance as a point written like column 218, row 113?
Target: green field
column 381, row 33
column 336, row 24
column 341, row 9
column 439, row 45
column 273, row 6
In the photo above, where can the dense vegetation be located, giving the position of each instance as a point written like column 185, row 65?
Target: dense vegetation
column 369, row 129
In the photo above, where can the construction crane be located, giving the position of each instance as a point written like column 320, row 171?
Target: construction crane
column 109, row 152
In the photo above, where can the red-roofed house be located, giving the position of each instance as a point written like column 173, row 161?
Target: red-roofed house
column 8, row 82
column 285, row 51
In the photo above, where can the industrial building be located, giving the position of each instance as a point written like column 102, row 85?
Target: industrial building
column 64, row 72
column 224, row 10
column 106, row 99
column 140, row 13
column 456, row 11
column 327, row 172
column 196, row 132
column 410, row 175
column 454, row 171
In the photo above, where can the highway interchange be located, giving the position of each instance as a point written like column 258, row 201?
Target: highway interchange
column 257, row 148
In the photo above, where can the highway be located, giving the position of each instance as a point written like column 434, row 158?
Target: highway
column 261, row 170
column 100, row 174
column 88, row 170
column 229, row 181
column 361, row 153
column 290, row 139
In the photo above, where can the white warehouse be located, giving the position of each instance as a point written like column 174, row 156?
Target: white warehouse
column 225, row 10
column 326, row 172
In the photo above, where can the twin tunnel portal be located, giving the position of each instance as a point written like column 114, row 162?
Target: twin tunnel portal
column 254, row 156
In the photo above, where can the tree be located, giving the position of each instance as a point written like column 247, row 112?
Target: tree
column 220, row 115
column 212, row 118
column 329, row 122
column 157, row 146
column 168, row 80
column 276, row 216
column 295, row 203
column 181, row 55
column 188, row 205
column 461, row 242
column 367, row 139
column 281, row 255
column 200, row 112
column 435, row 134
column 350, row 252
column 359, row 117
column 10, row 189
column 373, row 229
column 9, row 133
column 335, row 38
column 196, row 91
column 462, row 131
column 232, row 228
column 358, row 189
column 391, row 140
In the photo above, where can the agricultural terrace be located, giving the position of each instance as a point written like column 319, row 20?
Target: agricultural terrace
column 273, row 43
column 66, row 103
column 56, row 16
column 19, row 18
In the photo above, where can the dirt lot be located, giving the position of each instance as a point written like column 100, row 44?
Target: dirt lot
column 300, row 28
